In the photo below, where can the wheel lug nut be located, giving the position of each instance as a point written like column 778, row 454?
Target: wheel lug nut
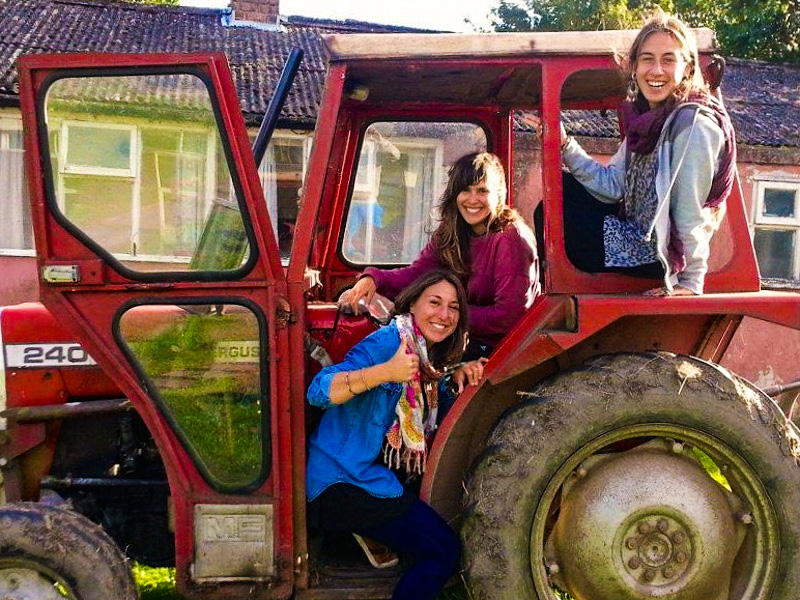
column 632, row 543
column 667, row 572
column 663, row 525
column 644, row 527
column 680, row 557
column 581, row 472
column 553, row 568
column 677, row 447
column 634, row 562
column 678, row 537
column 648, row 575
column 745, row 518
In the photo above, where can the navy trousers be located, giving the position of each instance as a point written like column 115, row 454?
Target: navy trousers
column 422, row 535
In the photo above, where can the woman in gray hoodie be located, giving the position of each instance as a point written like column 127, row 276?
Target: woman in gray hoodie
column 661, row 196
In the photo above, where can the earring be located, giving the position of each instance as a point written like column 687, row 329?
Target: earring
column 633, row 90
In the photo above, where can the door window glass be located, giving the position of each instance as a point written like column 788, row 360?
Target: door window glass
column 139, row 168
column 401, row 174
column 205, row 365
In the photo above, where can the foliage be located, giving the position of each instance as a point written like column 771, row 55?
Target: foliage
column 759, row 29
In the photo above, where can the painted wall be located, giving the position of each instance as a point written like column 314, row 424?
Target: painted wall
column 19, row 281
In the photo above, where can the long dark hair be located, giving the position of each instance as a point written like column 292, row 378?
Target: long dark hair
column 450, row 349
column 451, row 238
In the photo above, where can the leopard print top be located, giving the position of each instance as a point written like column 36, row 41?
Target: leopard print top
column 625, row 238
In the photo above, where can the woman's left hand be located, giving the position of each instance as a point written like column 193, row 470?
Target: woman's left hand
column 676, row 291
column 469, row 374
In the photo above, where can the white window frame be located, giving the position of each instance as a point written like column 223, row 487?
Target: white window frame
column 12, row 123
column 133, row 154
column 766, row 223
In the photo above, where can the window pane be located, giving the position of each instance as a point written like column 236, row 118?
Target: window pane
column 775, row 252
column 104, row 147
column 16, row 230
column 778, row 203
column 15, row 140
column 281, row 174
column 205, row 364
column 402, row 171
column 139, row 167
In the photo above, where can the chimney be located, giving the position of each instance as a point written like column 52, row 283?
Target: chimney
column 261, row 11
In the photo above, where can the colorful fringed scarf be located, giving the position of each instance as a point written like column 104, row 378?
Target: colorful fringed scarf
column 407, row 439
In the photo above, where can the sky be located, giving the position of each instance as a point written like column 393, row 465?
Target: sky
column 428, row 14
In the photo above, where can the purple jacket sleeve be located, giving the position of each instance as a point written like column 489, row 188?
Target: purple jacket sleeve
column 513, row 271
column 391, row 282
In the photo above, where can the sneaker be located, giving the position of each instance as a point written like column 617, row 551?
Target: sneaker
column 379, row 556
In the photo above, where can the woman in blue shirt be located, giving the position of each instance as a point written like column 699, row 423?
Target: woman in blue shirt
column 381, row 409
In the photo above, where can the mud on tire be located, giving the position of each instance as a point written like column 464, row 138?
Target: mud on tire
column 48, row 552
column 610, row 407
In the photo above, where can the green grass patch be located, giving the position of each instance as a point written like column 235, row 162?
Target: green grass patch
column 155, row 584
column 159, row 584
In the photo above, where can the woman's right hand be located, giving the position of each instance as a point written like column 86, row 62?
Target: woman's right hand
column 535, row 123
column 364, row 289
column 403, row 366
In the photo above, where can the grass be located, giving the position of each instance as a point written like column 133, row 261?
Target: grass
column 155, row 584
column 159, row 584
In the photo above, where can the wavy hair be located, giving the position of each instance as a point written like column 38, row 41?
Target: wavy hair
column 451, row 238
column 450, row 349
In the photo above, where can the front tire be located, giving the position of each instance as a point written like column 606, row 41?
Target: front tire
column 601, row 485
column 49, row 553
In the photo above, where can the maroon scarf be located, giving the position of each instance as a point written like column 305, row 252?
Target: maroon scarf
column 643, row 127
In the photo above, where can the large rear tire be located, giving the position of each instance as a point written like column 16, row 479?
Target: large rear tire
column 601, row 485
column 49, row 553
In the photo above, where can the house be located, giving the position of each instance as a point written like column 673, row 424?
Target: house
column 256, row 41
column 761, row 97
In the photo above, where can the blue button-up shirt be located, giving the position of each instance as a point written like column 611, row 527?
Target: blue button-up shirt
column 346, row 445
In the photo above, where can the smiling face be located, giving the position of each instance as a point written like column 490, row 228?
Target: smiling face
column 436, row 312
column 660, row 67
column 479, row 202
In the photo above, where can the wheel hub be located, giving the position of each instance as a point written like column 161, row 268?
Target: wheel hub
column 657, row 550
column 19, row 583
column 645, row 523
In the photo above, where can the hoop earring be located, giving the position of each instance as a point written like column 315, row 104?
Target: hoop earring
column 633, row 90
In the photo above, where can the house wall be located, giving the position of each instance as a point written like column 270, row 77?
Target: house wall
column 762, row 352
column 19, row 280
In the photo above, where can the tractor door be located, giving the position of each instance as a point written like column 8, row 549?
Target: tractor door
column 155, row 247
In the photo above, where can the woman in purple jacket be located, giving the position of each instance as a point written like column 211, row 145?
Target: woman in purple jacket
column 484, row 242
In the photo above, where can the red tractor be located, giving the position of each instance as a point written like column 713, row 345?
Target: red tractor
column 154, row 404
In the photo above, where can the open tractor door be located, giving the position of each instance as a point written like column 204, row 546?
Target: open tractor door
column 156, row 248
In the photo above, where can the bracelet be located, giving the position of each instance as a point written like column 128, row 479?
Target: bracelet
column 347, row 382
column 566, row 142
column 364, row 380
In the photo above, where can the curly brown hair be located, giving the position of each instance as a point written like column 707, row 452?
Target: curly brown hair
column 451, row 238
